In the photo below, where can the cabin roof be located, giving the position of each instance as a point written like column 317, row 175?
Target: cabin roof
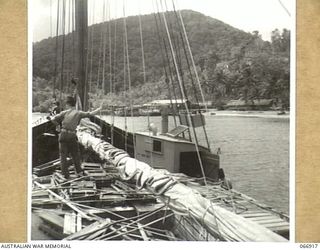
column 167, row 138
column 164, row 137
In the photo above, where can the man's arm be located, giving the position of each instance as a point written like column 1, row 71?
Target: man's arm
column 96, row 111
column 57, row 119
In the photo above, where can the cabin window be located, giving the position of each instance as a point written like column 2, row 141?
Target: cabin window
column 157, row 146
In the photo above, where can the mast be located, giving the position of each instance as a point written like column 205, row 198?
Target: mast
column 81, row 21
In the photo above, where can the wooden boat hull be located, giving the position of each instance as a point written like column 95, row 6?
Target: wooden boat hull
column 45, row 146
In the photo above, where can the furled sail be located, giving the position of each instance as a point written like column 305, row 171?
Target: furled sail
column 218, row 221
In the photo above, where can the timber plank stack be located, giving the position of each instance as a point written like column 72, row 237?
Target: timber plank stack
column 100, row 206
column 97, row 206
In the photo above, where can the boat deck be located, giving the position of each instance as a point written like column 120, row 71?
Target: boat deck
column 81, row 208
column 244, row 206
column 75, row 209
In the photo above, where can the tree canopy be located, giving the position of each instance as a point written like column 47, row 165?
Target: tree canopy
column 231, row 63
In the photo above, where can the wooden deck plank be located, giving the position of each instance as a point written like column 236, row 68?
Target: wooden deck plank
column 253, row 215
column 279, row 228
column 276, row 224
column 263, row 222
column 69, row 226
column 256, row 211
column 79, row 223
column 96, row 226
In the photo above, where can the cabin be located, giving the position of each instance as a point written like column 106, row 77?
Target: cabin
column 173, row 150
column 242, row 105
column 176, row 154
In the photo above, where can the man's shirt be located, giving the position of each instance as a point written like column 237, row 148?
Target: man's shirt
column 70, row 118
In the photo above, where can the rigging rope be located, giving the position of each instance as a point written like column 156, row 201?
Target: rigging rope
column 183, row 94
column 166, row 52
column 128, row 68
column 69, row 60
column 113, row 76
column 180, row 90
column 104, row 50
column 189, row 69
column 125, row 94
column 112, row 68
column 56, row 53
column 114, row 57
column 191, row 55
column 285, row 8
column 110, row 74
column 87, row 61
column 160, row 41
column 142, row 48
column 110, row 53
column 62, row 51
column 176, row 48
column 99, row 58
column 50, row 18
column 73, row 39
column 91, row 48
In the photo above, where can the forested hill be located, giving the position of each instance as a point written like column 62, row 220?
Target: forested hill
column 231, row 64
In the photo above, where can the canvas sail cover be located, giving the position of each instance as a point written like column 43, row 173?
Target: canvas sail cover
column 183, row 200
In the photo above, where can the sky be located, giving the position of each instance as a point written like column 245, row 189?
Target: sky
column 247, row 15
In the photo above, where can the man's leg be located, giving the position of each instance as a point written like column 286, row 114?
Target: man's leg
column 75, row 153
column 63, row 148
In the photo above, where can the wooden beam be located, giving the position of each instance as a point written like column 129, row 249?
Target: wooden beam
column 143, row 233
column 68, row 203
column 69, row 225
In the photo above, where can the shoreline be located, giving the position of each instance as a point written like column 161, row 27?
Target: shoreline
column 252, row 114
column 214, row 112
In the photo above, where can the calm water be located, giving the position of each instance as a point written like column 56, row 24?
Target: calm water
column 254, row 152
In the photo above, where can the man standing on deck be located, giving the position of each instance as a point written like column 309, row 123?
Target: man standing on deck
column 69, row 119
